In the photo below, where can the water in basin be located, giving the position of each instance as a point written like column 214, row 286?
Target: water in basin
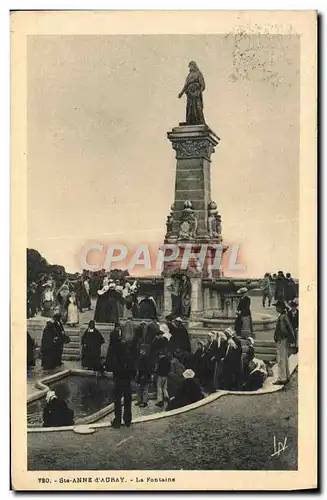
column 83, row 394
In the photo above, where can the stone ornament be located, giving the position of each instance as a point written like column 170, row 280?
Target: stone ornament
column 170, row 222
column 188, row 223
column 193, row 148
column 214, row 221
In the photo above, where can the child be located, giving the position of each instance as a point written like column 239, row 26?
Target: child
column 143, row 379
column 162, row 370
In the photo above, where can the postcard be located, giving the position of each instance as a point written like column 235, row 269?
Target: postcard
column 163, row 250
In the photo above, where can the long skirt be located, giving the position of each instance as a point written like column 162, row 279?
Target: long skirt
column 51, row 357
column 217, row 375
column 246, row 327
column 47, row 309
column 91, row 358
column 63, row 312
column 72, row 314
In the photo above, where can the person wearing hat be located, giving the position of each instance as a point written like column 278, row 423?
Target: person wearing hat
column 284, row 336
column 243, row 322
column 56, row 412
column 190, row 391
column 47, row 300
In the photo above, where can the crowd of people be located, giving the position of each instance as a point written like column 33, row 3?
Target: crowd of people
column 157, row 357
column 71, row 298
column 278, row 286
column 115, row 299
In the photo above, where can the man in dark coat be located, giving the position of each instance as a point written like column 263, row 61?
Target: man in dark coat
column 122, row 358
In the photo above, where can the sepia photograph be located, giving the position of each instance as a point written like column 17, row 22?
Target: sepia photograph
column 163, row 250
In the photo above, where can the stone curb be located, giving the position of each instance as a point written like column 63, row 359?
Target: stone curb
column 157, row 416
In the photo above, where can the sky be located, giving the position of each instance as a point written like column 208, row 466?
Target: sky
column 100, row 166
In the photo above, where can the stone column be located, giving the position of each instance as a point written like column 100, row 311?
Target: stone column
column 196, row 302
column 167, row 297
column 194, row 145
column 215, row 304
column 206, row 300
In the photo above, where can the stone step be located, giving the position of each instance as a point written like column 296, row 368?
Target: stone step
column 73, row 345
column 74, row 338
column 267, row 357
column 71, row 357
column 68, row 350
column 265, row 350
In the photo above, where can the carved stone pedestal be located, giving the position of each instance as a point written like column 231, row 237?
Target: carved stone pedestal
column 194, row 145
column 193, row 224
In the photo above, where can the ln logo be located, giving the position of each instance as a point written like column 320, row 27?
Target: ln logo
column 279, row 447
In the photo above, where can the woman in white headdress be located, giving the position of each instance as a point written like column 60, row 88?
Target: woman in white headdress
column 232, row 367
column 190, row 391
column 72, row 311
column 56, row 412
column 215, row 355
column 63, row 301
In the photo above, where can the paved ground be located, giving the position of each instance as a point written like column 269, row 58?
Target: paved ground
column 235, row 432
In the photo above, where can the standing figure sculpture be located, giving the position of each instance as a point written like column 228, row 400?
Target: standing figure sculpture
column 193, row 88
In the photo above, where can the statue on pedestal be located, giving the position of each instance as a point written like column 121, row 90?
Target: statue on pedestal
column 193, row 88
column 188, row 223
column 214, row 221
column 180, row 289
column 170, row 222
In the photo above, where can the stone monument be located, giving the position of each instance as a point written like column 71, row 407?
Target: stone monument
column 194, row 224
